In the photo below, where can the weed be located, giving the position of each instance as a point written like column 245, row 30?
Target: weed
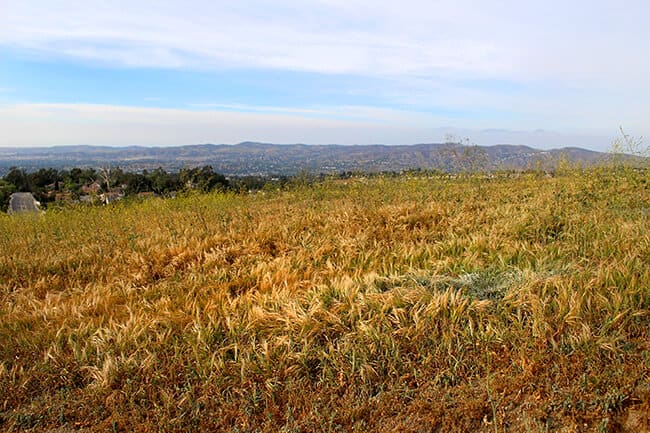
column 365, row 303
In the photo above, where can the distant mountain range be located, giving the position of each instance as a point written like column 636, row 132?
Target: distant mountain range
column 251, row 158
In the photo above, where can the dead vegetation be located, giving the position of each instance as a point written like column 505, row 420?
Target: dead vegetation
column 388, row 304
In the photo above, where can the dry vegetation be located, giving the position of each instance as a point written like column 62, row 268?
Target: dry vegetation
column 386, row 304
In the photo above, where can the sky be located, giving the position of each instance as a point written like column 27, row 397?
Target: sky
column 166, row 72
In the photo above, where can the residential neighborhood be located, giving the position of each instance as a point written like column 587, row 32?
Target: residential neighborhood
column 23, row 191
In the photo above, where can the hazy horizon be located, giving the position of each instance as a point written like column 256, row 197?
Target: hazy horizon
column 454, row 140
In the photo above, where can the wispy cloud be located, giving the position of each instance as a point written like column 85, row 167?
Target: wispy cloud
column 416, row 64
column 595, row 41
column 321, row 36
column 379, row 115
column 246, row 108
column 56, row 124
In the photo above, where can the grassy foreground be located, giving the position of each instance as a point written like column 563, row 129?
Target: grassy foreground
column 385, row 304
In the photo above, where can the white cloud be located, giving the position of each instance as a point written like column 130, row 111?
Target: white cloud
column 578, row 64
column 58, row 124
column 596, row 42
column 376, row 115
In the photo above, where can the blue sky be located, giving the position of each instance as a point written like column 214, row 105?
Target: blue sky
column 165, row 72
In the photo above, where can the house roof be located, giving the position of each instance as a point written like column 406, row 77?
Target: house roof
column 22, row 202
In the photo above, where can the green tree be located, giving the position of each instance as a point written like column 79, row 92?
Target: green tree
column 6, row 189
column 19, row 179
column 204, row 179
column 163, row 183
column 135, row 183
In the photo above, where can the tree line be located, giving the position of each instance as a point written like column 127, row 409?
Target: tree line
column 50, row 184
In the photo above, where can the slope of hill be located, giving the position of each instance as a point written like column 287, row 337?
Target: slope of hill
column 383, row 304
column 260, row 158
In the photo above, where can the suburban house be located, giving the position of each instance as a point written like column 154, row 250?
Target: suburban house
column 62, row 197
column 20, row 202
column 111, row 196
column 93, row 188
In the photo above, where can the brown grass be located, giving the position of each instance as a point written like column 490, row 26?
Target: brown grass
column 384, row 304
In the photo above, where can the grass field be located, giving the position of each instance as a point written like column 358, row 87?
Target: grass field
column 382, row 304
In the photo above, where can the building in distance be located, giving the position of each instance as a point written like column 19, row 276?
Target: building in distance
column 20, row 202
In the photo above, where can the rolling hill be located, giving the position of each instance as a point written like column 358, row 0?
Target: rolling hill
column 250, row 158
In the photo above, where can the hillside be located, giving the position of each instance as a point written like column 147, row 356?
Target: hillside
column 406, row 304
column 267, row 159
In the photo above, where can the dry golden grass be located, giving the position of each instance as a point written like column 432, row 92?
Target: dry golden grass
column 383, row 304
